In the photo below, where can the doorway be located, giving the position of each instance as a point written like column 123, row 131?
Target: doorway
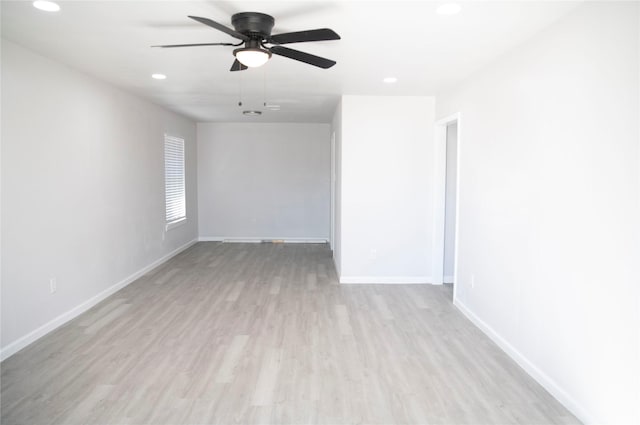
column 332, row 229
column 447, row 183
column 450, row 203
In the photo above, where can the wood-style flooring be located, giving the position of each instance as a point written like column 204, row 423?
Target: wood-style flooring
column 264, row 334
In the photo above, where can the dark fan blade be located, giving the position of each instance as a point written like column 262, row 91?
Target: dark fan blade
column 220, row 27
column 302, row 57
column 166, row 46
column 237, row 66
column 302, row 36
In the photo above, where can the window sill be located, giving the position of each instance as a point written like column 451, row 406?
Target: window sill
column 174, row 224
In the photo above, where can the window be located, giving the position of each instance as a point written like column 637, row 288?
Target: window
column 174, row 192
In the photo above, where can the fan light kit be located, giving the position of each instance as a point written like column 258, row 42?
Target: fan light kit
column 252, row 113
column 253, row 57
column 253, row 29
column 47, row 6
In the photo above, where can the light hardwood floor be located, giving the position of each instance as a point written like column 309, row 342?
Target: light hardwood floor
column 262, row 333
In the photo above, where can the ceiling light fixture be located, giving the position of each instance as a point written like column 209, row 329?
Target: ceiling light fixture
column 47, row 6
column 252, row 57
column 158, row 76
column 390, row 80
column 449, row 9
column 252, row 113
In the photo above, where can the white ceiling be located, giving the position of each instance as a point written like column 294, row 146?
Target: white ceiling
column 427, row 52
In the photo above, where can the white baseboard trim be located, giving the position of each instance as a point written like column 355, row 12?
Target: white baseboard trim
column 542, row 378
column 33, row 336
column 260, row 240
column 386, row 280
column 447, row 279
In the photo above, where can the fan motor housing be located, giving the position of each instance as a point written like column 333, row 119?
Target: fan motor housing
column 256, row 23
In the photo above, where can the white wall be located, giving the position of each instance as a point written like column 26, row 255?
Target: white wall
column 386, row 189
column 549, row 208
column 450, row 203
column 82, row 191
column 265, row 181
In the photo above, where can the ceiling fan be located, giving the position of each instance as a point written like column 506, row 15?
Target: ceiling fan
column 254, row 31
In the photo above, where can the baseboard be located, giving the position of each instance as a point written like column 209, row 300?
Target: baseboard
column 543, row 379
column 261, row 240
column 447, row 279
column 33, row 336
column 386, row 279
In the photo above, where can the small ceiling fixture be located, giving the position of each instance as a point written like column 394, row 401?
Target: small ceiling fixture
column 390, row 80
column 449, row 9
column 252, row 113
column 47, row 6
column 158, row 76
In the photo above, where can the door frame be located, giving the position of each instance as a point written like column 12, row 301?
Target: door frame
column 332, row 230
column 440, row 184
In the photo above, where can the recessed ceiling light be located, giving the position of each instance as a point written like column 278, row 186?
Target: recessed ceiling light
column 47, row 6
column 252, row 113
column 390, row 80
column 449, row 9
column 158, row 76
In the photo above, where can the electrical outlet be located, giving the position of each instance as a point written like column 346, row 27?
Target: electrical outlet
column 473, row 281
column 374, row 253
column 53, row 286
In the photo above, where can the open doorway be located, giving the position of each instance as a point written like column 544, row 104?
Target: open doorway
column 447, row 153
column 332, row 229
column 450, row 204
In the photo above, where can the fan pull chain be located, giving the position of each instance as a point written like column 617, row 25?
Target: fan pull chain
column 264, row 87
column 240, row 90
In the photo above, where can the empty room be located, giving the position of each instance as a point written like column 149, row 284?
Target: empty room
column 320, row 212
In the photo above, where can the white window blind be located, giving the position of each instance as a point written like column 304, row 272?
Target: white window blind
column 174, row 192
